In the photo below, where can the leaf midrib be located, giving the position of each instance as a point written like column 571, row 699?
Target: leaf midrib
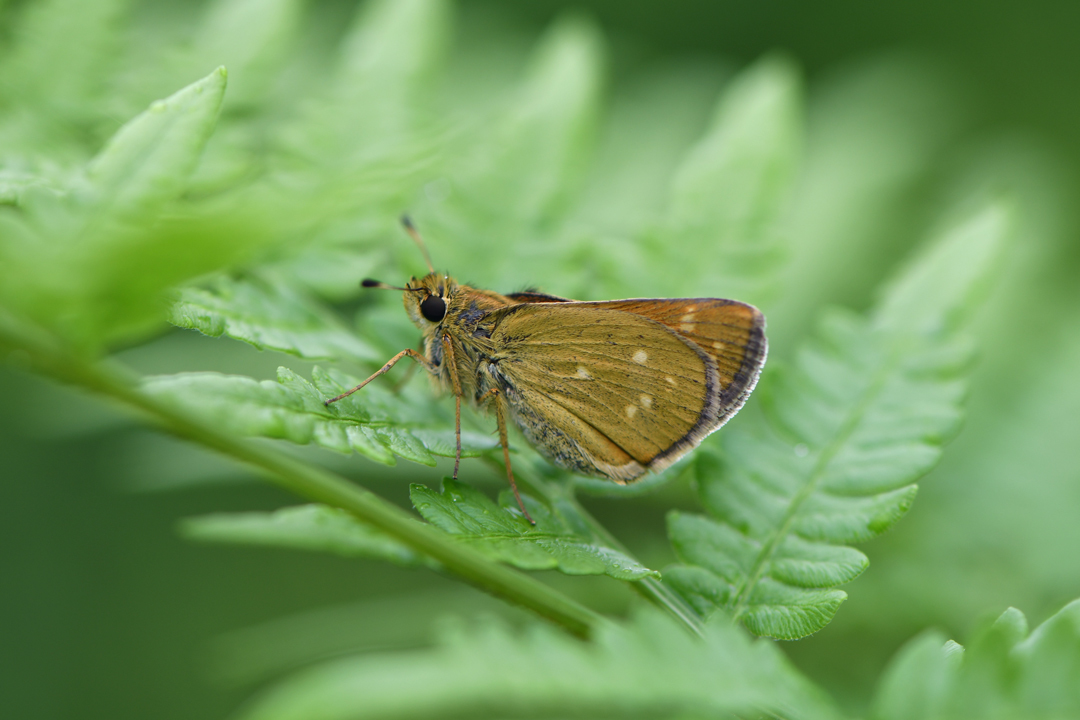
column 827, row 454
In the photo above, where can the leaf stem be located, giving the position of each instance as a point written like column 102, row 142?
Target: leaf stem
column 310, row 482
column 649, row 588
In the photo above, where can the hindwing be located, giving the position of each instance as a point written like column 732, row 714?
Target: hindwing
column 617, row 388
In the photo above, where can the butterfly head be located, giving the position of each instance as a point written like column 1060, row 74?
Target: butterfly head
column 427, row 299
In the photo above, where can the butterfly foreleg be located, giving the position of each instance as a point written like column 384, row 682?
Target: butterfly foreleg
column 493, row 395
column 448, row 346
column 393, row 361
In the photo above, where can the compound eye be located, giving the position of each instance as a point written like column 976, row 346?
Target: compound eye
column 433, row 308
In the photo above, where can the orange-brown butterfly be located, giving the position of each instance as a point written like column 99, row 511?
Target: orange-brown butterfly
column 610, row 389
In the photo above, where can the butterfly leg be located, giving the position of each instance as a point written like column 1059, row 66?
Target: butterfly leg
column 500, row 416
column 451, row 358
column 393, row 361
column 403, row 380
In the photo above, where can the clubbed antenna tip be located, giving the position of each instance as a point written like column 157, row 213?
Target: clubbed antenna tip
column 369, row 283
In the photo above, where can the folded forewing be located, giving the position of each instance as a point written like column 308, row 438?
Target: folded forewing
column 619, row 384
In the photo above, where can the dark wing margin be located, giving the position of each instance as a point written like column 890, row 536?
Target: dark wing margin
column 535, row 296
column 733, row 335
column 731, row 332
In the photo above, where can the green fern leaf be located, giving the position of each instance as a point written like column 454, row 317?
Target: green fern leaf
column 648, row 668
column 378, row 426
column 270, row 316
column 148, row 161
column 503, row 533
column 110, row 250
column 863, row 413
column 307, row 527
column 543, row 139
column 1004, row 673
column 528, row 160
column 728, row 195
column 365, row 131
column 250, row 37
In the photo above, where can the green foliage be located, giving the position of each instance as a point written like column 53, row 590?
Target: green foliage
column 861, row 415
column 251, row 214
column 1004, row 673
column 90, row 260
column 647, row 668
column 501, row 532
column 308, row 527
column 728, row 194
column 293, row 409
column 270, row 317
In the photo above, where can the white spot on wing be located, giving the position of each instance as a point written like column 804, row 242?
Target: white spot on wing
column 631, row 411
column 583, row 373
column 646, row 401
column 641, row 357
column 688, row 317
column 718, row 345
column 671, row 381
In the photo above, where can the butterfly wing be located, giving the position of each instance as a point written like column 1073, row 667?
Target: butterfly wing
column 608, row 391
column 730, row 332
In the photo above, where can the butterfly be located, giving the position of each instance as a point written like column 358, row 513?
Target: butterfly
column 611, row 389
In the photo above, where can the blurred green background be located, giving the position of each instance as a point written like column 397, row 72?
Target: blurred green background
column 107, row 612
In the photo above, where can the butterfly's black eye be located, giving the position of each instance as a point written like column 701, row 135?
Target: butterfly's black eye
column 433, row 308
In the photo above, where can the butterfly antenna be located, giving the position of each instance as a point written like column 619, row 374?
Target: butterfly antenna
column 411, row 229
column 369, row 283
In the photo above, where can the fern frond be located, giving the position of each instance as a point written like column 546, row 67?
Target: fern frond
column 1005, row 672
column 863, row 412
column 379, row 428
column 269, row 316
column 502, row 533
column 648, row 668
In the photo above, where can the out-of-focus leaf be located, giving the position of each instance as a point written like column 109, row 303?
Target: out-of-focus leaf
column 1004, row 673
column 365, row 138
column 270, row 316
column 307, row 527
column 647, row 668
column 146, row 163
column 916, row 682
column 505, row 534
column 93, row 263
column 537, row 151
column 376, row 426
column 330, row 269
column 266, row 650
column 630, row 175
column 364, row 131
column 251, row 38
column 528, row 160
column 53, row 80
column 728, row 196
column 856, row 202
column 862, row 414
